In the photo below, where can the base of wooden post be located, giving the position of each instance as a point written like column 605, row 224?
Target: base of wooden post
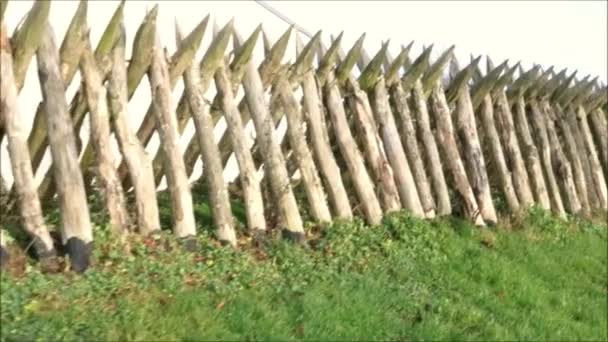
column 4, row 257
column 190, row 244
column 297, row 237
column 80, row 254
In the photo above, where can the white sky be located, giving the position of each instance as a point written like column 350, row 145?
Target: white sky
column 572, row 34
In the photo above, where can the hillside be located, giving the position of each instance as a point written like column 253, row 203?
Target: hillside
column 535, row 278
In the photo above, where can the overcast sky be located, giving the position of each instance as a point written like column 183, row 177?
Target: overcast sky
column 570, row 34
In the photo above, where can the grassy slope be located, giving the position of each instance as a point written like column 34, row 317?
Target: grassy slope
column 537, row 279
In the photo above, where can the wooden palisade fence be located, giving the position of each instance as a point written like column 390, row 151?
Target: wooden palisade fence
column 399, row 136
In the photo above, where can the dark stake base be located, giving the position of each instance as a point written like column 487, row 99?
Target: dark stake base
column 224, row 243
column 259, row 237
column 190, row 244
column 298, row 238
column 80, row 254
column 4, row 257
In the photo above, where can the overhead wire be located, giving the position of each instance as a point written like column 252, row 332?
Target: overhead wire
column 283, row 17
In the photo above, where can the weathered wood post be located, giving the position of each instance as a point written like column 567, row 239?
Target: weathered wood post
column 250, row 181
column 398, row 101
column 374, row 83
column 77, row 232
column 30, row 209
column 358, row 103
column 213, row 58
column 599, row 126
column 348, row 147
column 5, row 256
column 596, row 170
column 297, row 137
column 564, row 103
column 412, row 83
column 573, row 186
column 396, row 155
column 137, row 160
column 243, row 53
column 24, row 43
column 561, row 165
column 303, row 157
column 492, row 137
column 537, row 122
column 572, row 122
column 519, row 149
column 27, row 39
column 78, row 106
column 69, row 55
column 482, row 100
column 274, row 162
column 464, row 120
column 571, row 151
column 177, row 180
column 315, row 120
column 112, row 191
column 447, row 143
column 180, row 60
column 276, row 111
column 218, row 192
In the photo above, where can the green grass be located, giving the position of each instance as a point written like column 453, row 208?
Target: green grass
column 407, row 279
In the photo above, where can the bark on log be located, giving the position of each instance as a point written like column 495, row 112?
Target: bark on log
column 474, row 162
column 326, row 161
column 396, row 156
column 556, row 114
column 537, row 123
column 301, row 152
column 599, row 181
column 250, row 181
column 431, row 152
column 137, row 160
column 561, row 166
column 508, row 123
column 24, row 184
column 218, row 192
column 381, row 169
column 447, row 142
column 503, row 174
column 177, row 180
column 113, row 195
column 573, row 125
column 348, row 148
column 4, row 254
column 276, row 112
column 398, row 100
column 599, row 128
column 76, row 230
column 274, row 162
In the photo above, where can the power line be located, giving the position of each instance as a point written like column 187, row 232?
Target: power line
column 283, row 17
